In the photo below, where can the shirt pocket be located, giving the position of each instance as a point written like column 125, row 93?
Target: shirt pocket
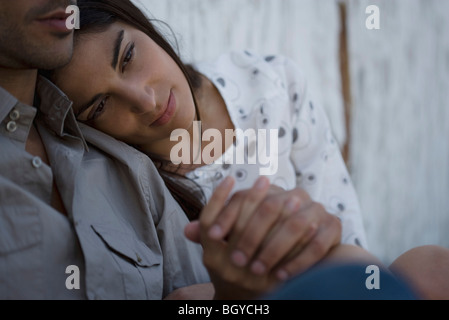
column 20, row 252
column 20, row 228
column 139, row 267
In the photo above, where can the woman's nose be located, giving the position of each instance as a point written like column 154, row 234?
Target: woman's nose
column 143, row 100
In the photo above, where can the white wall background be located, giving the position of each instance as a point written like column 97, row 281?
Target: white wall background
column 399, row 156
column 400, row 145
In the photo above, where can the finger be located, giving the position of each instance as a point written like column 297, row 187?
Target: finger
column 315, row 250
column 216, row 203
column 259, row 226
column 274, row 208
column 252, row 200
column 192, row 231
column 238, row 209
column 287, row 239
column 309, row 256
column 227, row 217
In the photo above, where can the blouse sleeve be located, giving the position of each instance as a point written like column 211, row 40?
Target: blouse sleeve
column 316, row 157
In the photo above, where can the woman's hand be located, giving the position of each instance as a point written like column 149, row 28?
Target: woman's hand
column 262, row 236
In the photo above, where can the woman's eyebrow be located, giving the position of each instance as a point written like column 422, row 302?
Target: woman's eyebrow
column 117, row 47
column 115, row 56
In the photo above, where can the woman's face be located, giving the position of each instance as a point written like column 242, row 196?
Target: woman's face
column 124, row 84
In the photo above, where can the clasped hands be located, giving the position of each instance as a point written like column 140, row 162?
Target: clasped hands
column 260, row 237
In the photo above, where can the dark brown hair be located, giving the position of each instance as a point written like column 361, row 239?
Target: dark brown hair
column 97, row 16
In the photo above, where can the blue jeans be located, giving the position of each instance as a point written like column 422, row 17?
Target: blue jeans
column 344, row 282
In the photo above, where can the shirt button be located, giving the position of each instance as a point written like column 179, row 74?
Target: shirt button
column 37, row 162
column 139, row 259
column 11, row 126
column 14, row 115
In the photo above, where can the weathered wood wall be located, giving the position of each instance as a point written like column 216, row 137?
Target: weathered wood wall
column 397, row 93
column 400, row 127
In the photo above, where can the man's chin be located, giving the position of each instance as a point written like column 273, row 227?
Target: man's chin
column 56, row 57
column 47, row 68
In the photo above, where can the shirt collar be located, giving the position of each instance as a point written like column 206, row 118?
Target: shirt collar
column 7, row 103
column 56, row 109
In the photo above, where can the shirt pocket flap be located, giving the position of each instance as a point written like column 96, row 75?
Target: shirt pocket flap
column 125, row 243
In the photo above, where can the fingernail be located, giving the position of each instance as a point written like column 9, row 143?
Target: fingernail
column 215, row 232
column 258, row 268
column 227, row 182
column 282, row 275
column 292, row 204
column 261, row 183
column 239, row 258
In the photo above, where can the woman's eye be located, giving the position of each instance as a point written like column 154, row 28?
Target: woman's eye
column 98, row 110
column 128, row 56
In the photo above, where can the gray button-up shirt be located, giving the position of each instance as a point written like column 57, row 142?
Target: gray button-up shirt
column 123, row 236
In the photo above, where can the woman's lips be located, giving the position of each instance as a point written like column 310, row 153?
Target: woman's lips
column 168, row 113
